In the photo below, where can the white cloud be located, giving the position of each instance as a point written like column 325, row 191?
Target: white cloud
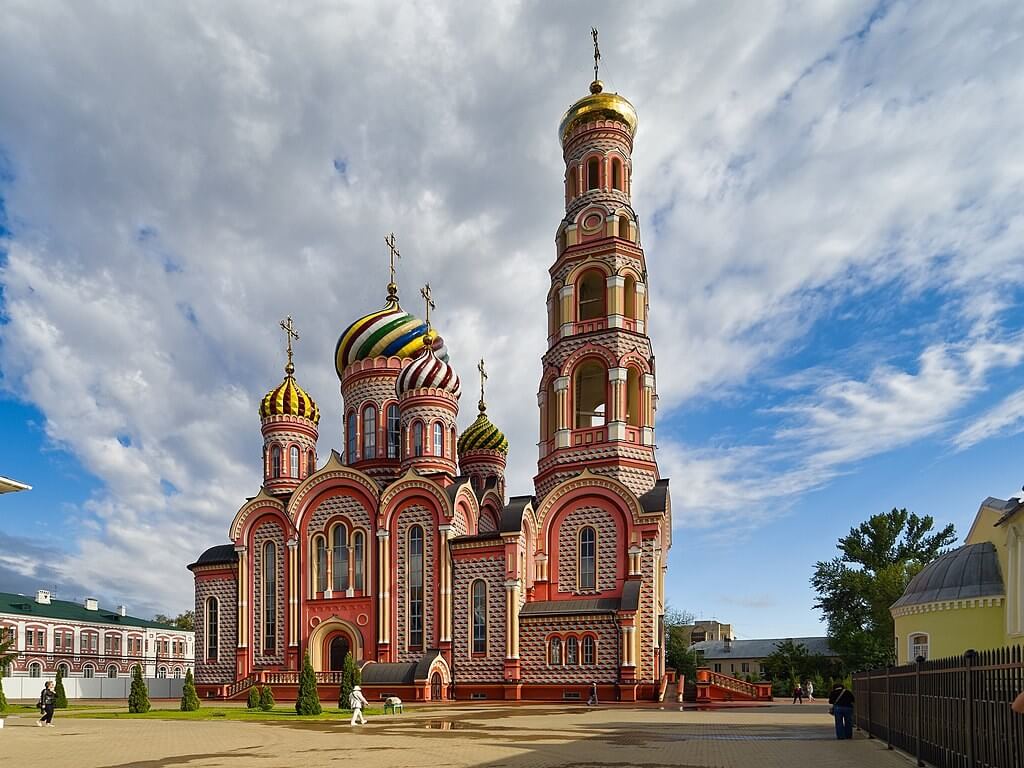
column 1003, row 420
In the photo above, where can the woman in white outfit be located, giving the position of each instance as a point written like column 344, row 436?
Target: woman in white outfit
column 356, row 702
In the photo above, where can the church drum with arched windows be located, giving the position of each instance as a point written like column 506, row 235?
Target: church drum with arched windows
column 406, row 552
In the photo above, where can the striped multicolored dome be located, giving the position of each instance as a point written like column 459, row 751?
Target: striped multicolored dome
column 429, row 370
column 390, row 332
column 289, row 399
column 482, row 435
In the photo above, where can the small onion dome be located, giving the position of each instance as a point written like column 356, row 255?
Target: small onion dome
column 289, row 399
column 429, row 370
column 390, row 332
column 482, row 435
column 597, row 106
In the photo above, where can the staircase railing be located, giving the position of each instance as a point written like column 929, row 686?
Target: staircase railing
column 733, row 684
column 240, row 685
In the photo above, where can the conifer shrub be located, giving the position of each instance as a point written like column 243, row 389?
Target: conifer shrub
column 350, row 677
column 58, row 688
column 189, row 697
column 308, row 700
column 3, row 699
column 138, row 697
column 253, row 702
column 266, row 699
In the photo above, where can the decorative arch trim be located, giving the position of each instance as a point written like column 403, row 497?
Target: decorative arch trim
column 586, row 266
column 588, row 350
column 334, row 474
column 591, row 484
column 412, row 484
column 259, row 503
column 315, row 644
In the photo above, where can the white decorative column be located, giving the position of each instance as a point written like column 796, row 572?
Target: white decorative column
column 617, row 407
column 384, row 592
column 562, row 412
column 293, row 591
column 243, row 596
column 445, row 629
column 512, row 619
column 615, row 294
column 566, row 314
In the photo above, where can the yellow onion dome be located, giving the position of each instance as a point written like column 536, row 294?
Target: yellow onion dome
column 598, row 106
column 390, row 332
column 429, row 370
column 482, row 435
column 289, row 399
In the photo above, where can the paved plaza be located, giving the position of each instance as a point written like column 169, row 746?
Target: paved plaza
column 778, row 736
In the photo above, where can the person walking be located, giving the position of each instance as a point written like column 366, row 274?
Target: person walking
column 798, row 694
column 809, row 687
column 356, row 702
column 841, row 699
column 592, row 701
column 47, row 701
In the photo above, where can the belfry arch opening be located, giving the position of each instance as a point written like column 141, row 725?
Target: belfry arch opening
column 570, row 184
column 590, row 291
column 590, row 389
column 623, row 228
column 633, row 397
column 629, row 297
column 593, row 174
column 616, row 174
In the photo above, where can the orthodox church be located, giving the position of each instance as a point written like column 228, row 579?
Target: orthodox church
column 405, row 550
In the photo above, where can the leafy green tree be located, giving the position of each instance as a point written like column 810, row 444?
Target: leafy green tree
column 58, row 688
column 7, row 655
column 350, row 677
column 189, row 697
column 186, row 620
column 138, row 696
column 877, row 560
column 253, row 702
column 308, row 700
column 677, row 643
column 267, row 699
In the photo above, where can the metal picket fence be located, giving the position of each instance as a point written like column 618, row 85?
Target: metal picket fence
column 949, row 713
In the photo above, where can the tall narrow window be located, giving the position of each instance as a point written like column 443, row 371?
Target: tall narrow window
column 593, row 173
column 589, row 392
column 310, row 463
column 633, row 397
column 358, row 556
column 438, row 439
column 479, row 597
column 572, row 651
column 340, row 546
column 570, row 184
column 616, row 173
column 88, row 671
column 624, row 228
column 369, row 432
column 293, row 462
column 417, row 439
column 591, row 289
column 320, row 564
column 555, row 652
column 589, row 651
column 629, row 297
column 275, row 461
column 550, row 411
column 212, row 627
column 394, row 431
column 269, row 597
column 415, row 581
column 350, row 438
column 588, row 559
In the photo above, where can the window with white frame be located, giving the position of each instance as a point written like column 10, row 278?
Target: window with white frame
column 918, row 645
column 293, row 462
column 35, row 669
column 212, row 628
column 88, row 671
column 587, row 561
column 589, row 651
column 478, row 594
column 555, row 652
column 111, row 671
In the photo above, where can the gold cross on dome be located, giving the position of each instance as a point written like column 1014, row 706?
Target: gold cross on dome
column 597, row 51
column 395, row 255
column 483, row 378
column 290, row 333
column 428, row 298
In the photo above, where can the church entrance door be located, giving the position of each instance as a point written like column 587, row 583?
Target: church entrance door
column 339, row 649
column 435, row 687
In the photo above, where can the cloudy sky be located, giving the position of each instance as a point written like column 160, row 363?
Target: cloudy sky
column 830, row 197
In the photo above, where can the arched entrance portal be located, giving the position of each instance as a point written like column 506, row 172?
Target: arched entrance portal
column 338, row 649
column 435, row 687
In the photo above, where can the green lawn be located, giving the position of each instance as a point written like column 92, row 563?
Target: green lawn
column 20, row 709
column 223, row 713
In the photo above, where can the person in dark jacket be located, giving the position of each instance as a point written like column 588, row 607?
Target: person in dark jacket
column 798, row 694
column 592, row 701
column 841, row 699
column 47, row 701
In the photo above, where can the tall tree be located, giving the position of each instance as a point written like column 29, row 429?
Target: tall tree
column 877, row 560
column 186, row 620
column 677, row 643
column 308, row 700
column 138, row 696
column 58, row 688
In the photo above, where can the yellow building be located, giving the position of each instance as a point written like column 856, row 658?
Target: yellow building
column 972, row 597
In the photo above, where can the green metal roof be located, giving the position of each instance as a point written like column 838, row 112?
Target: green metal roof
column 25, row 605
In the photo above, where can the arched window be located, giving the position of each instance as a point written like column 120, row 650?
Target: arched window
column 589, row 392
column 275, row 461
column 551, row 410
column 555, row 652
column 293, row 462
column 394, row 431
column 319, row 564
column 438, row 439
column 88, row 671
column 269, row 597
column 593, row 173
column 358, row 557
column 417, row 439
column 350, row 438
column 454, row 443
column 587, row 577
column 310, row 463
column 162, row 673
column 35, row 669
column 591, row 290
column 624, row 228
column 111, row 671
column 177, row 673
column 414, row 576
column 589, row 651
column 572, row 651
column 616, row 173
column 918, row 646
column 340, row 546
column 633, row 397
column 369, row 432
column 570, row 184
column 629, row 297
column 212, row 628
column 64, row 670
column 479, row 617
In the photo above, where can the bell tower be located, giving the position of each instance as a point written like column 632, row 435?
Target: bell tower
column 597, row 394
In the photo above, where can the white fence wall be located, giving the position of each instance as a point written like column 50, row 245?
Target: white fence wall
column 92, row 688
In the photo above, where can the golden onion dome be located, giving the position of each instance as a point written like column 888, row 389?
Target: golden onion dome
column 482, row 435
column 289, row 399
column 598, row 105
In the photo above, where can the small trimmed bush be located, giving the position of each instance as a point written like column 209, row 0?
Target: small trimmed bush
column 308, row 700
column 266, row 699
column 3, row 699
column 189, row 697
column 58, row 688
column 138, row 697
column 253, row 702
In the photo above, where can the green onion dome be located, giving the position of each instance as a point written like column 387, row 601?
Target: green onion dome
column 289, row 399
column 482, row 435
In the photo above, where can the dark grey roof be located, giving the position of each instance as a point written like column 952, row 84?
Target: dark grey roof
column 222, row 554
column 656, row 499
column 630, row 595
column 453, row 489
column 970, row 571
column 1007, row 508
column 389, row 674
column 488, row 536
column 759, row 649
column 423, row 667
column 571, row 607
column 512, row 515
